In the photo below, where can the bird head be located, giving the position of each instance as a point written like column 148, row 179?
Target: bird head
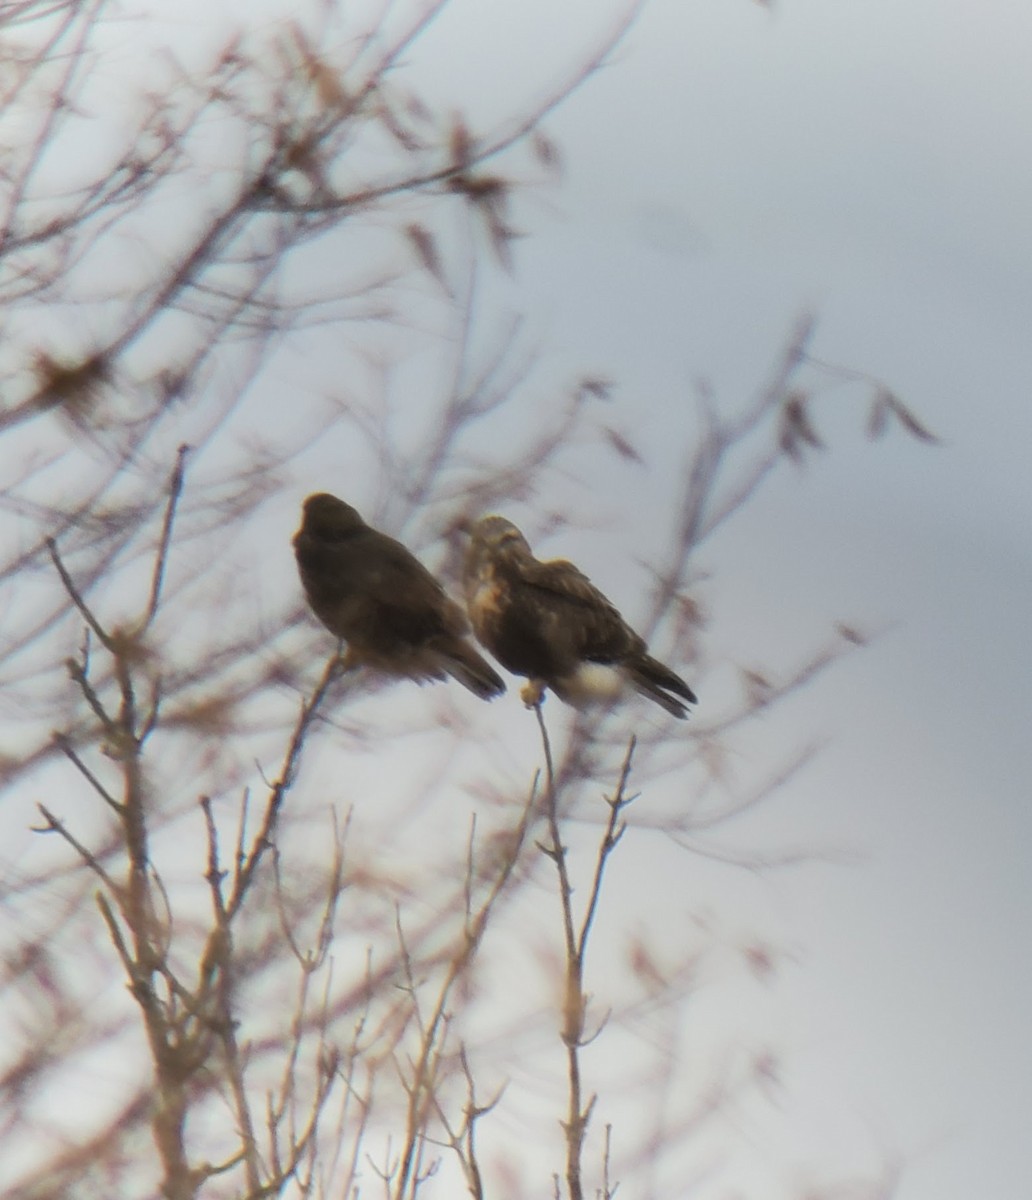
column 496, row 534
column 325, row 516
column 491, row 539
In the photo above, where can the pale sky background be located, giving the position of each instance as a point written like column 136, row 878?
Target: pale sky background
column 872, row 163
column 869, row 161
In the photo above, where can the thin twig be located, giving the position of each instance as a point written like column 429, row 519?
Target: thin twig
column 116, row 937
column 76, row 596
column 574, row 1000
column 217, row 982
column 66, row 748
column 111, row 727
column 278, row 790
column 422, row 1086
column 175, row 489
column 614, row 831
column 56, row 825
column 572, row 1025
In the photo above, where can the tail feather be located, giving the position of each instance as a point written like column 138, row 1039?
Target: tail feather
column 656, row 681
column 463, row 663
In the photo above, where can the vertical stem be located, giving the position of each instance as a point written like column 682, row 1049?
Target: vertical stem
column 572, row 1027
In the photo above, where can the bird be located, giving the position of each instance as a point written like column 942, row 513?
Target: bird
column 547, row 621
column 372, row 592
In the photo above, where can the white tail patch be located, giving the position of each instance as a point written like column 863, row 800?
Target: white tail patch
column 593, row 682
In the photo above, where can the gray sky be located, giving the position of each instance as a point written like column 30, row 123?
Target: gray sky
column 869, row 161
column 872, row 163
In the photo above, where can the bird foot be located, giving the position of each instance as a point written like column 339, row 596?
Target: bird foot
column 532, row 693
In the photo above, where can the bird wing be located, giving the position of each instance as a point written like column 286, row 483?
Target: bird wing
column 600, row 633
column 396, row 579
column 563, row 578
column 369, row 586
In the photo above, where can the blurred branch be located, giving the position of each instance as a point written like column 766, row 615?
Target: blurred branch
column 321, row 186
column 175, row 489
column 262, row 841
column 425, row 1076
column 576, row 935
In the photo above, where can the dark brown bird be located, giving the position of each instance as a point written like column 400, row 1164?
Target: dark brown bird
column 548, row 621
column 369, row 590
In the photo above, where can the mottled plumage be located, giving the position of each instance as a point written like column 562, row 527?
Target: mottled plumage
column 369, row 590
column 548, row 621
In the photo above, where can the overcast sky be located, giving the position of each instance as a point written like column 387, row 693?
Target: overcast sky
column 871, row 163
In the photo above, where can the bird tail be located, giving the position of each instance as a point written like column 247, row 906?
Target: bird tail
column 656, row 681
column 463, row 663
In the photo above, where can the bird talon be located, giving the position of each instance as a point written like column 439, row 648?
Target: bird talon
column 532, row 693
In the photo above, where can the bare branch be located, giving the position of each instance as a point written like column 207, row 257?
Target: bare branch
column 66, row 748
column 279, row 789
column 75, row 596
column 55, row 825
column 175, row 488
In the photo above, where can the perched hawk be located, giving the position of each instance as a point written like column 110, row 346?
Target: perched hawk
column 369, row 590
column 547, row 621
